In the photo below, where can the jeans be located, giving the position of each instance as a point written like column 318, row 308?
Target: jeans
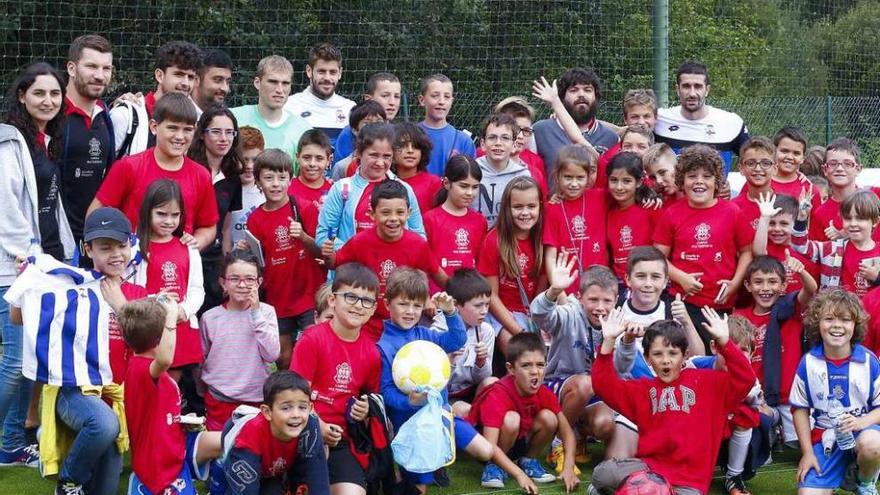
column 93, row 460
column 15, row 389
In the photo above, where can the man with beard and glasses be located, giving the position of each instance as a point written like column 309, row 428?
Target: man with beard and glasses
column 88, row 145
column 580, row 91
column 319, row 104
column 215, row 77
column 693, row 121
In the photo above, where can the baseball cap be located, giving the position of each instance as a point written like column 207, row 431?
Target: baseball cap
column 107, row 223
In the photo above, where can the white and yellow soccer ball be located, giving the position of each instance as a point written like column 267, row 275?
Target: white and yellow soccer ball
column 420, row 364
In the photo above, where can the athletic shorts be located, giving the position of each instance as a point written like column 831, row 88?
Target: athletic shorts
column 343, row 467
column 294, row 325
column 558, row 383
column 833, row 465
column 184, row 483
column 464, row 435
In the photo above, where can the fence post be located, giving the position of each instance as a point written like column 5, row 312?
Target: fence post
column 661, row 52
column 828, row 121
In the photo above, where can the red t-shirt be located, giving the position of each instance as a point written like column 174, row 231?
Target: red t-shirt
column 794, row 187
column 828, row 211
column 535, row 164
column 850, row 277
column 425, row 186
column 455, row 241
column 306, row 195
column 336, row 369
column 291, row 275
column 168, row 270
column 152, row 411
column 702, row 240
column 501, row 397
column 128, row 180
column 384, row 257
column 120, row 353
column 276, row 457
column 749, row 213
column 627, row 228
column 871, row 302
column 489, row 264
column 602, row 166
column 576, row 227
column 791, row 335
column 793, row 280
column 362, row 220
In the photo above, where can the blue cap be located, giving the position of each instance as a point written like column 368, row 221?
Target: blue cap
column 108, row 223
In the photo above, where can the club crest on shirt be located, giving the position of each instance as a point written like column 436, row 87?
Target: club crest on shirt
column 94, row 148
column 282, row 235
column 702, row 234
column 169, row 272
column 710, row 129
column 340, row 116
column 578, row 226
column 343, row 375
column 385, row 269
column 462, row 240
column 522, row 260
column 626, row 237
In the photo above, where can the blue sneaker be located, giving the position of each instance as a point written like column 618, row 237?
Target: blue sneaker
column 493, row 476
column 23, row 456
column 535, row 470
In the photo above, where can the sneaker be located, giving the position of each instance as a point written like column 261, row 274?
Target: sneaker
column 68, row 488
column 556, row 457
column 866, row 488
column 535, row 471
column 851, row 477
column 735, row 485
column 441, row 478
column 493, row 477
column 23, row 456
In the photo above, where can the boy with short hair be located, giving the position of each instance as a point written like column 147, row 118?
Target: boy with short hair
column 636, row 138
column 173, row 124
column 176, row 71
column 791, row 148
column 382, row 87
column 281, row 129
column 523, row 151
column 773, row 236
column 164, row 456
column 758, row 166
column 387, row 246
column 309, row 186
column 852, row 263
column 497, row 138
column 291, row 274
column 837, row 384
column 776, row 316
column 342, row 365
column 261, row 448
column 405, row 297
column 435, row 96
column 677, row 400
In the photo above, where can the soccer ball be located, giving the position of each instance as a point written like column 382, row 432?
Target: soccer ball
column 644, row 483
column 420, row 364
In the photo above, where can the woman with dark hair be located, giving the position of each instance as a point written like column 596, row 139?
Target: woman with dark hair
column 32, row 217
column 216, row 146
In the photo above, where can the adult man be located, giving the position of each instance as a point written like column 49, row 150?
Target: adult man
column 176, row 71
column 280, row 128
column 580, row 91
column 214, row 78
column 318, row 103
column 693, row 121
column 88, row 144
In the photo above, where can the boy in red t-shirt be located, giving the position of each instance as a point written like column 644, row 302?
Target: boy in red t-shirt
column 773, row 235
column 387, row 246
column 163, row 455
column 291, row 273
column 674, row 408
column 312, row 158
column 521, row 415
column 707, row 258
column 757, row 166
column 126, row 184
column 283, row 433
column 791, row 149
column 342, row 365
column 778, row 334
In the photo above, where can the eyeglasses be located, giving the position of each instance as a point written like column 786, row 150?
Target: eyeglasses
column 248, row 281
column 753, row 164
column 216, row 132
column 504, row 138
column 847, row 164
column 526, row 131
column 351, row 298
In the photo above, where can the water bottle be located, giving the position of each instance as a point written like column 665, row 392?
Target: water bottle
column 845, row 440
column 34, row 248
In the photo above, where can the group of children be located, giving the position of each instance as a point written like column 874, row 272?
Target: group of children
column 597, row 309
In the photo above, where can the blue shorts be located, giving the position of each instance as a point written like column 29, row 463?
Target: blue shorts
column 184, row 484
column 833, row 466
column 557, row 384
column 464, row 435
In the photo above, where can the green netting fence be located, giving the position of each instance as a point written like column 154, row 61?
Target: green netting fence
column 775, row 62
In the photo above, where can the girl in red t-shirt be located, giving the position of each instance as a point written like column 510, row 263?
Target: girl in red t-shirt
column 456, row 232
column 629, row 224
column 511, row 259
column 412, row 149
column 171, row 266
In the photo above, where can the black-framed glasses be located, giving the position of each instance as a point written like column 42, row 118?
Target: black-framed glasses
column 216, row 132
column 352, row 298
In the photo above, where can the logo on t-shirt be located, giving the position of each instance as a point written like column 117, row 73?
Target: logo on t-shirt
column 282, row 236
column 169, row 272
column 385, row 269
column 522, row 260
column 702, row 234
column 626, row 236
column 94, row 148
column 710, row 130
column 462, row 240
column 343, row 376
column 340, row 116
column 578, row 226
column 305, row 114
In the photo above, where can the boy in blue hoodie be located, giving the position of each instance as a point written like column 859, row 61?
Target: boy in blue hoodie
column 406, row 294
